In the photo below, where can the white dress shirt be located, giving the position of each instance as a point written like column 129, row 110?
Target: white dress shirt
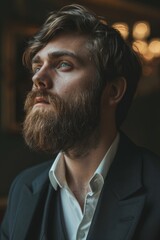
column 78, row 222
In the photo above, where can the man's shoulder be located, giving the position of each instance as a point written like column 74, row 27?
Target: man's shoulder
column 30, row 175
column 127, row 142
column 150, row 160
column 36, row 170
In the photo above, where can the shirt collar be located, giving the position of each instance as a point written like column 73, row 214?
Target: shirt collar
column 97, row 180
column 57, row 171
column 108, row 158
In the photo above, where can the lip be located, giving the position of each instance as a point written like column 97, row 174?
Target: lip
column 41, row 100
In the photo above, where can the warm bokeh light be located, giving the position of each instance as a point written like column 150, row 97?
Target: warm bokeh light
column 148, row 56
column 122, row 28
column 139, row 36
column 140, row 46
column 154, row 47
column 141, row 30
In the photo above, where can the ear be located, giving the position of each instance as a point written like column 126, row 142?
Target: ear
column 117, row 90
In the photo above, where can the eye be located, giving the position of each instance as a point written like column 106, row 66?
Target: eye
column 64, row 65
column 36, row 69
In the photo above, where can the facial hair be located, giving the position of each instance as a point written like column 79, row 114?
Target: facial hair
column 63, row 125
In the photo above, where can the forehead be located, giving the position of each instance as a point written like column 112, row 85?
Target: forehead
column 76, row 44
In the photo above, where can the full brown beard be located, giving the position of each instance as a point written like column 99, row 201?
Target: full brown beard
column 63, row 125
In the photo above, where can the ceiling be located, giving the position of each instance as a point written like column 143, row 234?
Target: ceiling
column 114, row 10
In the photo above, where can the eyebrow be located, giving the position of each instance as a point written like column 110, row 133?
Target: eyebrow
column 57, row 54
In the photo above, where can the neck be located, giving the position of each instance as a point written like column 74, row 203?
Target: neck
column 81, row 167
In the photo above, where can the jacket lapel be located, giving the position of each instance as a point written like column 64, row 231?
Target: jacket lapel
column 30, row 198
column 122, row 198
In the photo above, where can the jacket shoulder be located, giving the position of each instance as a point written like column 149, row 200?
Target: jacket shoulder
column 151, row 164
column 150, row 160
column 28, row 175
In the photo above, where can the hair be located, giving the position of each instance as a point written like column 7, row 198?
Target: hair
column 113, row 56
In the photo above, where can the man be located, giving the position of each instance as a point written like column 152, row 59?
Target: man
column 101, row 186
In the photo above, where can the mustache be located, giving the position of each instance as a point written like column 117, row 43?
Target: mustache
column 40, row 93
column 32, row 96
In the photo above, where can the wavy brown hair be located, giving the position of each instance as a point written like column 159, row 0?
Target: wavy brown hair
column 113, row 56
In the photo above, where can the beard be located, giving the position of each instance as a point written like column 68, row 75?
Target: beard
column 63, row 125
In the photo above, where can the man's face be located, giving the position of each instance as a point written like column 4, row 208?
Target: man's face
column 63, row 106
column 64, row 66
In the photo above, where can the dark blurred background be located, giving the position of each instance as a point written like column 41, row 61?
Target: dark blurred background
column 20, row 19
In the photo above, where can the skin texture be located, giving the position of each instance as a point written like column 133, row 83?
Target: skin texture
column 63, row 67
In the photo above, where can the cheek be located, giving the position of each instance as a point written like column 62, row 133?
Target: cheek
column 77, row 81
column 63, row 89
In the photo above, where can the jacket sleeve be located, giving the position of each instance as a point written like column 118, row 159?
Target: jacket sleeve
column 6, row 227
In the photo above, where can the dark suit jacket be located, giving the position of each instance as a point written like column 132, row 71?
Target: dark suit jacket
column 128, row 208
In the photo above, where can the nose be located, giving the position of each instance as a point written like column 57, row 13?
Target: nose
column 42, row 80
